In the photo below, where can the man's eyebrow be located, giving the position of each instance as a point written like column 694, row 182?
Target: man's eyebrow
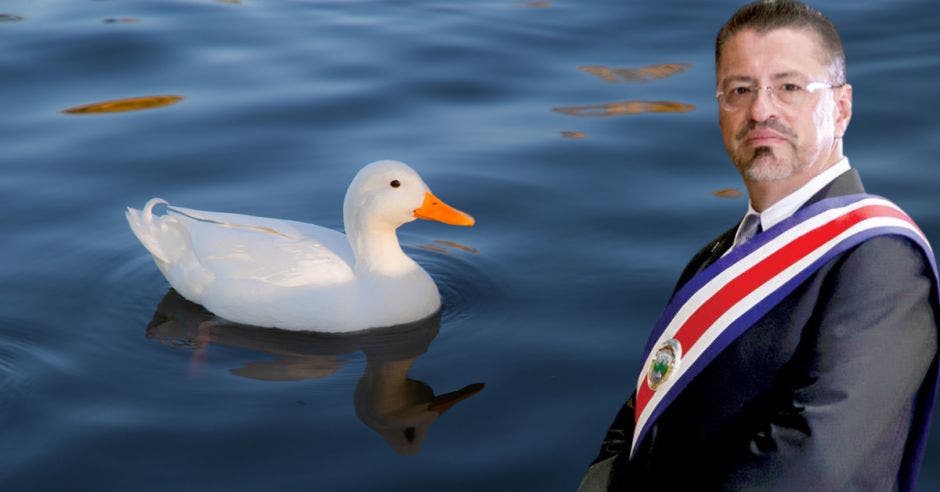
column 737, row 78
column 789, row 74
column 786, row 75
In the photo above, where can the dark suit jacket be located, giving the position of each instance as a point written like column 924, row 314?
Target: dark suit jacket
column 817, row 395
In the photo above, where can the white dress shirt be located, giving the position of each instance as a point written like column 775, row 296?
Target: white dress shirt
column 792, row 202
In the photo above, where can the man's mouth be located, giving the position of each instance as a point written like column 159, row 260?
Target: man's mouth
column 762, row 137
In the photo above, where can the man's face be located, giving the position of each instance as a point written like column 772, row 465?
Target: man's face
column 768, row 140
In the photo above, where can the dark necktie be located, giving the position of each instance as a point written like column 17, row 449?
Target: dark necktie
column 750, row 228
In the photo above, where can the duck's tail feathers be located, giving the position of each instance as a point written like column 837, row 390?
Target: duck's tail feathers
column 148, row 230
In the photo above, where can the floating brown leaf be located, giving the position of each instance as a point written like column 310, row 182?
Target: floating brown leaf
column 727, row 193
column 539, row 4
column 432, row 248
column 643, row 74
column 440, row 246
column 121, row 105
column 457, row 245
column 601, row 71
column 626, row 107
column 573, row 134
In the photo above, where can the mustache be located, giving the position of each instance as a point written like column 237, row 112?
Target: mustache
column 769, row 124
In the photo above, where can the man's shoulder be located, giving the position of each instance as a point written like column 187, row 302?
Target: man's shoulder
column 885, row 256
column 891, row 252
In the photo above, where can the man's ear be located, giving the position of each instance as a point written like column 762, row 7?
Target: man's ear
column 843, row 109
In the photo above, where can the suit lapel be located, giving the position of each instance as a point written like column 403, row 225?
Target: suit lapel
column 847, row 183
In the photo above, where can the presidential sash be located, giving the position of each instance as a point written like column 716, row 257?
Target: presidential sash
column 722, row 301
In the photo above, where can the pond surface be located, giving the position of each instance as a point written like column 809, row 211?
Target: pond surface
column 581, row 135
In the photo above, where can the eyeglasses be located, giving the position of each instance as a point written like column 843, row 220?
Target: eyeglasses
column 788, row 94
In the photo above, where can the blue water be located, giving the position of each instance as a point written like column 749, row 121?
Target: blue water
column 109, row 383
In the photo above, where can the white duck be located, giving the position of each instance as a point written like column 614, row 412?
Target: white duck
column 298, row 276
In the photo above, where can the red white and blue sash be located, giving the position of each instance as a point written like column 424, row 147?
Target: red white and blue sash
column 722, row 301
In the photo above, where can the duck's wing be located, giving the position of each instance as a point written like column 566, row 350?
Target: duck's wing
column 272, row 251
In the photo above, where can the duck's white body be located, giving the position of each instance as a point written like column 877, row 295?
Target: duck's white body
column 292, row 275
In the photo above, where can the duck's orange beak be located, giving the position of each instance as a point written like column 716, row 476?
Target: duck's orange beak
column 434, row 208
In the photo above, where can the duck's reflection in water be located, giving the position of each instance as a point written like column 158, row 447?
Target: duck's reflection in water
column 400, row 409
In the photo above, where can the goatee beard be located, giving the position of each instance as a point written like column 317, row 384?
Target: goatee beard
column 764, row 166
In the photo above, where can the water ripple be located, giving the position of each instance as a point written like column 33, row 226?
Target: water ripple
column 460, row 276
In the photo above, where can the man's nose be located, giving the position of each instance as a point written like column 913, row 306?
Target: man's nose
column 764, row 105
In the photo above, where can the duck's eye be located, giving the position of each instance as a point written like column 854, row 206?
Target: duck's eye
column 395, row 183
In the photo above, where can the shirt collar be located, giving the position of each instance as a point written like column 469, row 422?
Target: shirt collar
column 792, row 202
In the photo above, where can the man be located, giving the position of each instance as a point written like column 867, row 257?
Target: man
column 788, row 359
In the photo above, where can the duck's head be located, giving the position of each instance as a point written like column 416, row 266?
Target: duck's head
column 389, row 194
